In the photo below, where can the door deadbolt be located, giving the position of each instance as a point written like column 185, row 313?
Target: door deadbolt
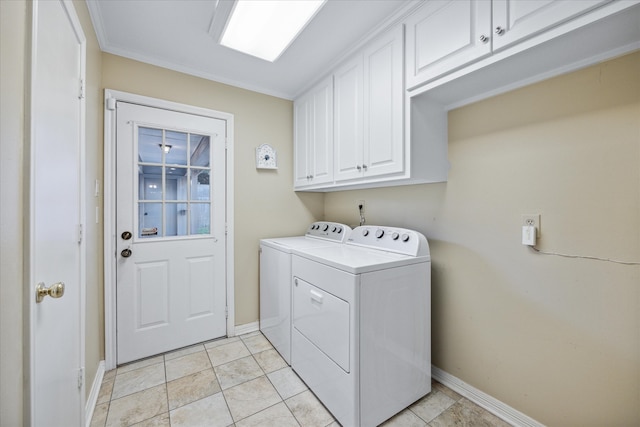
column 126, row 253
column 126, row 235
column 54, row 291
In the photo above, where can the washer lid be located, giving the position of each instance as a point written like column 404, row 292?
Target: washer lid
column 287, row 244
column 356, row 260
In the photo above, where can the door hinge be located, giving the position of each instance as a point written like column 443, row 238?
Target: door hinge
column 80, row 378
column 225, row 229
column 81, row 95
column 226, row 312
column 110, row 104
column 80, row 231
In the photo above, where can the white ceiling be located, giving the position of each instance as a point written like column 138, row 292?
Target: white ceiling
column 182, row 35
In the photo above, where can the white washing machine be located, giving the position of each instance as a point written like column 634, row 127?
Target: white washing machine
column 361, row 336
column 275, row 279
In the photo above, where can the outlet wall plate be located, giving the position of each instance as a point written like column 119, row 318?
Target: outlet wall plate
column 532, row 219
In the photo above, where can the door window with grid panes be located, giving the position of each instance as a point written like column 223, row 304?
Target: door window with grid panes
column 174, row 195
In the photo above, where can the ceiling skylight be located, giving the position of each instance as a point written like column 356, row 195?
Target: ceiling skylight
column 265, row 28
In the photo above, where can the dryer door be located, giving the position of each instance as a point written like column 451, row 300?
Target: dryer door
column 323, row 319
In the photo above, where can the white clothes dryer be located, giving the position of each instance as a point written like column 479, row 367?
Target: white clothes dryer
column 361, row 335
column 275, row 279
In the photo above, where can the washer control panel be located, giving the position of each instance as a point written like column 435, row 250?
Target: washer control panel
column 392, row 239
column 333, row 231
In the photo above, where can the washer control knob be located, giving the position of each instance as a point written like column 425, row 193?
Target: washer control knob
column 379, row 233
column 325, row 228
column 339, row 230
column 365, row 232
column 405, row 237
column 395, row 236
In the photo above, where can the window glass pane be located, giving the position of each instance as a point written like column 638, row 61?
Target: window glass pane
column 150, row 183
column 149, row 220
column 149, row 145
column 200, row 189
column 200, row 218
column 176, row 183
column 200, row 150
column 176, row 218
column 176, row 145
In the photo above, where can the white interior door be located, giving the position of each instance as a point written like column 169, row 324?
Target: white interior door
column 55, row 210
column 170, row 230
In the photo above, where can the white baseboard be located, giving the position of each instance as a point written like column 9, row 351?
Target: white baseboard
column 90, row 405
column 480, row 398
column 247, row 328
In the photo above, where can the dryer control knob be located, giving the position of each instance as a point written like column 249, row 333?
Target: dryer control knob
column 395, row 236
column 325, row 228
column 405, row 237
column 379, row 233
column 339, row 230
column 365, row 232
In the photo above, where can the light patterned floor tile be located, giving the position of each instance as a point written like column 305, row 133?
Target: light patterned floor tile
column 139, row 364
column 251, row 397
column 220, row 341
column 275, row 416
column 256, row 343
column 105, row 391
column 435, row 385
column 466, row 413
column 137, row 380
column 138, row 407
column 99, row 418
column 405, row 418
column 270, row 360
column 287, row 382
column 186, row 365
column 237, row 372
column 211, row 411
column 183, row 352
column 191, row 388
column 161, row 420
column 308, row 410
column 431, row 405
column 110, row 375
column 228, row 352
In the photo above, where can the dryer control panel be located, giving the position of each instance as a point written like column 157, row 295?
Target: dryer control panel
column 391, row 239
column 332, row 231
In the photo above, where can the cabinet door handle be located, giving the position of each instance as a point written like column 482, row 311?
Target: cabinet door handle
column 484, row 39
column 359, row 168
column 364, row 167
column 499, row 30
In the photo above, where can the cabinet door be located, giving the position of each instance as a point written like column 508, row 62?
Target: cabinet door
column 301, row 141
column 516, row 20
column 320, row 157
column 348, row 124
column 444, row 35
column 383, row 106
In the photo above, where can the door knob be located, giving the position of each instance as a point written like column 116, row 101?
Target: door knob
column 54, row 291
column 126, row 253
column 126, row 235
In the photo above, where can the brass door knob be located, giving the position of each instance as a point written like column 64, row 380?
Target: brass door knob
column 54, row 291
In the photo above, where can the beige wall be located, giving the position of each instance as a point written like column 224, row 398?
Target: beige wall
column 556, row 338
column 265, row 204
column 13, row 45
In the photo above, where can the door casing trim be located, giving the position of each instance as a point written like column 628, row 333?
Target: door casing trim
column 110, row 97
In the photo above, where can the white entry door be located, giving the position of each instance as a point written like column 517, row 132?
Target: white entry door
column 55, row 257
column 170, row 230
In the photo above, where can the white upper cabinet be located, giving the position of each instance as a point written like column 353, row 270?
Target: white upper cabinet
column 444, row 35
column 368, row 109
column 313, row 136
column 515, row 20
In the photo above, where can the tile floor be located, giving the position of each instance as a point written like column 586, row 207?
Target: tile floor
column 242, row 381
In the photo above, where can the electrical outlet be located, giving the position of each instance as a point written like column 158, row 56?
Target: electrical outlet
column 358, row 204
column 532, row 219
